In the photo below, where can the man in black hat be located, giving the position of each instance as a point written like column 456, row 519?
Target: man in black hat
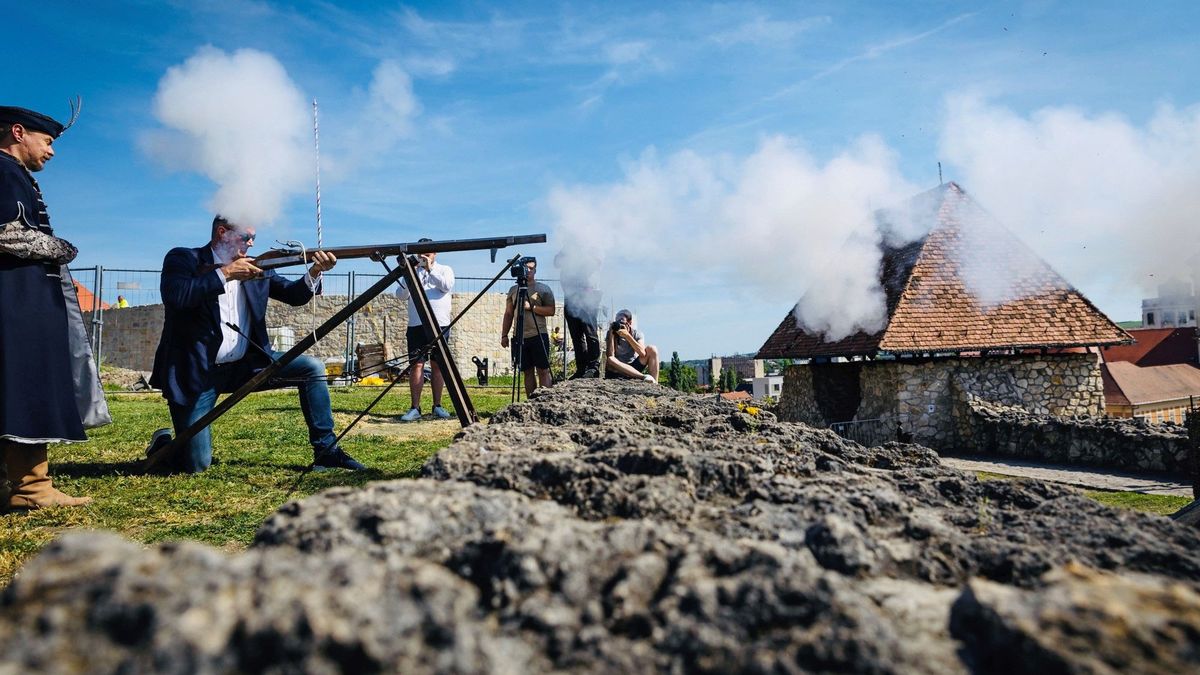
column 49, row 392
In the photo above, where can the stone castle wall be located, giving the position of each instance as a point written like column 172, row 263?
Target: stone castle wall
column 928, row 398
column 131, row 335
column 1119, row 443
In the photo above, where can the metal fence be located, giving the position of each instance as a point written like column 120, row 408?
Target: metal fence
column 104, row 290
column 866, row 432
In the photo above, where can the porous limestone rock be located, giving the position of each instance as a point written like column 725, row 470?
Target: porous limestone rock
column 622, row 527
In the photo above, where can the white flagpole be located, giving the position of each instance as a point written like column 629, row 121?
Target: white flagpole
column 317, row 145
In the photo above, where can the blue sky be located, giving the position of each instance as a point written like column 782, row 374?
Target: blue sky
column 517, row 102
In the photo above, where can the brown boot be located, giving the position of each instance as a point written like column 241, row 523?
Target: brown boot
column 28, row 471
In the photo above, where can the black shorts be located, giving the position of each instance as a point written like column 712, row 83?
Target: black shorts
column 417, row 344
column 617, row 375
column 535, row 352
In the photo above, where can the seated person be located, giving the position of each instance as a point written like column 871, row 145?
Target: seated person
column 628, row 356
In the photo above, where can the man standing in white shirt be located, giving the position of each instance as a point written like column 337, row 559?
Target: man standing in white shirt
column 214, row 339
column 438, row 281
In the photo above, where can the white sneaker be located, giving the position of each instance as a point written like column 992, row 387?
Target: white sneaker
column 649, row 378
column 441, row 413
column 412, row 415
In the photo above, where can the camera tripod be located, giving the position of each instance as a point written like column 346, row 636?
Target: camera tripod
column 518, row 348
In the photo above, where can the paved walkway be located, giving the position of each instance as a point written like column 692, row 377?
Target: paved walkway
column 1093, row 478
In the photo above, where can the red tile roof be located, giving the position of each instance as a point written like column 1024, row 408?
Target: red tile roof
column 1156, row 347
column 87, row 300
column 931, row 308
column 1153, row 384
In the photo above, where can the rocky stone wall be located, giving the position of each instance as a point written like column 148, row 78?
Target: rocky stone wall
column 798, row 400
column 606, row 526
column 927, row 398
column 131, row 335
column 1118, row 443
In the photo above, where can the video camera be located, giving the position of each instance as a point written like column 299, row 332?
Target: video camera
column 619, row 324
column 520, row 272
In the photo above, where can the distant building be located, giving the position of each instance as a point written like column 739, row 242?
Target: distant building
column 1154, row 393
column 767, row 385
column 1156, row 347
column 1026, row 338
column 747, row 368
column 1156, row 378
column 1174, row 307
column 87, row 299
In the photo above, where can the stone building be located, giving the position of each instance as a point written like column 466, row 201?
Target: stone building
column 972, row 313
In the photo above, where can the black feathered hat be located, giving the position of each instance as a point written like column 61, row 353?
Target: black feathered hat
column 37, row 121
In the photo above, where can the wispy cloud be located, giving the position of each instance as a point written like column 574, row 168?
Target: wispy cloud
column 763, row 31
column 870, row 53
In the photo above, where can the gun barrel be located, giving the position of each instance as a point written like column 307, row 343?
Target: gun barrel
column 285, row 257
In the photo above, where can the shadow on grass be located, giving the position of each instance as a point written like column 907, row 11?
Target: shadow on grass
column 97, row 469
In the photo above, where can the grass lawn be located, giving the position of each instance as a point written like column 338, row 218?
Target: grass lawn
column 260, row 448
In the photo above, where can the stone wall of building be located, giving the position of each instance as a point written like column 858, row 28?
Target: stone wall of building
column 926, row 399
column 1118, row 443
column 131, row 334
column 798, row 402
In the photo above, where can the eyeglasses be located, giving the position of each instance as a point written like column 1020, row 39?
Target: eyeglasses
column 246, row 237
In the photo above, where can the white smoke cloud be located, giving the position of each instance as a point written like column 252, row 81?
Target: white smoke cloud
column 1110, row 204
column 240, row 120
column 777, row 220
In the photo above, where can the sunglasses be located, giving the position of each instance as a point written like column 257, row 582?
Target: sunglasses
column 246, row 237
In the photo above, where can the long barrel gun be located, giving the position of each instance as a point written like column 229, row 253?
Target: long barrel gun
column 161, row 453
column 287, row 257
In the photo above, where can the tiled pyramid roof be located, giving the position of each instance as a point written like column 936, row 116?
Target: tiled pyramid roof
column 968, row 285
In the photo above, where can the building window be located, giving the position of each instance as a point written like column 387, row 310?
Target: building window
column 1191, row 315
column 1182, row 319
column 1149, row 318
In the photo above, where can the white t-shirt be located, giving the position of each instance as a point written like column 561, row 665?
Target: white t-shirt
column 438, row 282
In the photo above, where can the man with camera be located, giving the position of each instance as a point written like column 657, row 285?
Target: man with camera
column 438, row 281
column 629, row 358
column 531, row 349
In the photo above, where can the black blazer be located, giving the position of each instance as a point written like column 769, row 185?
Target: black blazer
column 191, row 335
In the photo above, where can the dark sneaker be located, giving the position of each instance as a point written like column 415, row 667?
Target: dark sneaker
column 336, row 459
column 158, row 440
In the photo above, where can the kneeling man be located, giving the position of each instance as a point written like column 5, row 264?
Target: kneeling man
column 216, row 305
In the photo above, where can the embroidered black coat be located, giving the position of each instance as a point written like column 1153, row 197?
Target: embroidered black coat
column 38, row 378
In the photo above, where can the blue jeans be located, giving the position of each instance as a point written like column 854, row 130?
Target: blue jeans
column 314, row 403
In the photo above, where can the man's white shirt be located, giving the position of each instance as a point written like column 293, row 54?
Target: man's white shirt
column 235, row 310
column 438, row 282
